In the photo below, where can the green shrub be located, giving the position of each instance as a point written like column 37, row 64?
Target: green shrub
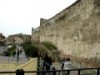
column 49, row 45
column 30, row 51
column 38, row 49
column 11, row 51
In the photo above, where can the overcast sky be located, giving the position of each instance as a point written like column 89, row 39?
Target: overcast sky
column 19, row 16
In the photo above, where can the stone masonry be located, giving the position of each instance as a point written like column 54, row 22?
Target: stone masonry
column 75, row 30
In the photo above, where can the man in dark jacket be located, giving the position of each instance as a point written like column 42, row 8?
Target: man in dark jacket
column 47, row 61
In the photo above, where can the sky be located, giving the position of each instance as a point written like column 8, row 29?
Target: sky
column 20, row 16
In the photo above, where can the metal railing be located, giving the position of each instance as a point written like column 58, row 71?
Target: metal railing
column 74, row 71
column 41, row 65
column 54, row 72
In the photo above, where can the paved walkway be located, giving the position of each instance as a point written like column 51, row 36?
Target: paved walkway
column 12, row 59
column 22, row 56
column 58, row 67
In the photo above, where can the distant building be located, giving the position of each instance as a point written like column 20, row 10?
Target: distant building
column 18, row 39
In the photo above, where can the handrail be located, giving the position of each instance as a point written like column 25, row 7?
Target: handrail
column 41, row 66
column 51, row 70
column 45, row 62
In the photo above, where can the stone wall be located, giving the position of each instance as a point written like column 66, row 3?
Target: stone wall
column 75, row 30
column 35, row 36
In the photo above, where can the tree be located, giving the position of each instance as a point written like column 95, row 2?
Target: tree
column 30, row 51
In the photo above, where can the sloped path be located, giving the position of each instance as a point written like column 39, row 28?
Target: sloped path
column 57, row 66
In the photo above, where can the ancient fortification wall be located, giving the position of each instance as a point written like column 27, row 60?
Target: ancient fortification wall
column 75, row 30
column 35, row 36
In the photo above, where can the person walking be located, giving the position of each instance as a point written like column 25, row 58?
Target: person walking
column 66, row 66
column 17, row 53
column 47, row 64
column 47, row 61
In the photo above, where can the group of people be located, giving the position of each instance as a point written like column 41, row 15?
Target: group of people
column 66, row 64
column 18, row 51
